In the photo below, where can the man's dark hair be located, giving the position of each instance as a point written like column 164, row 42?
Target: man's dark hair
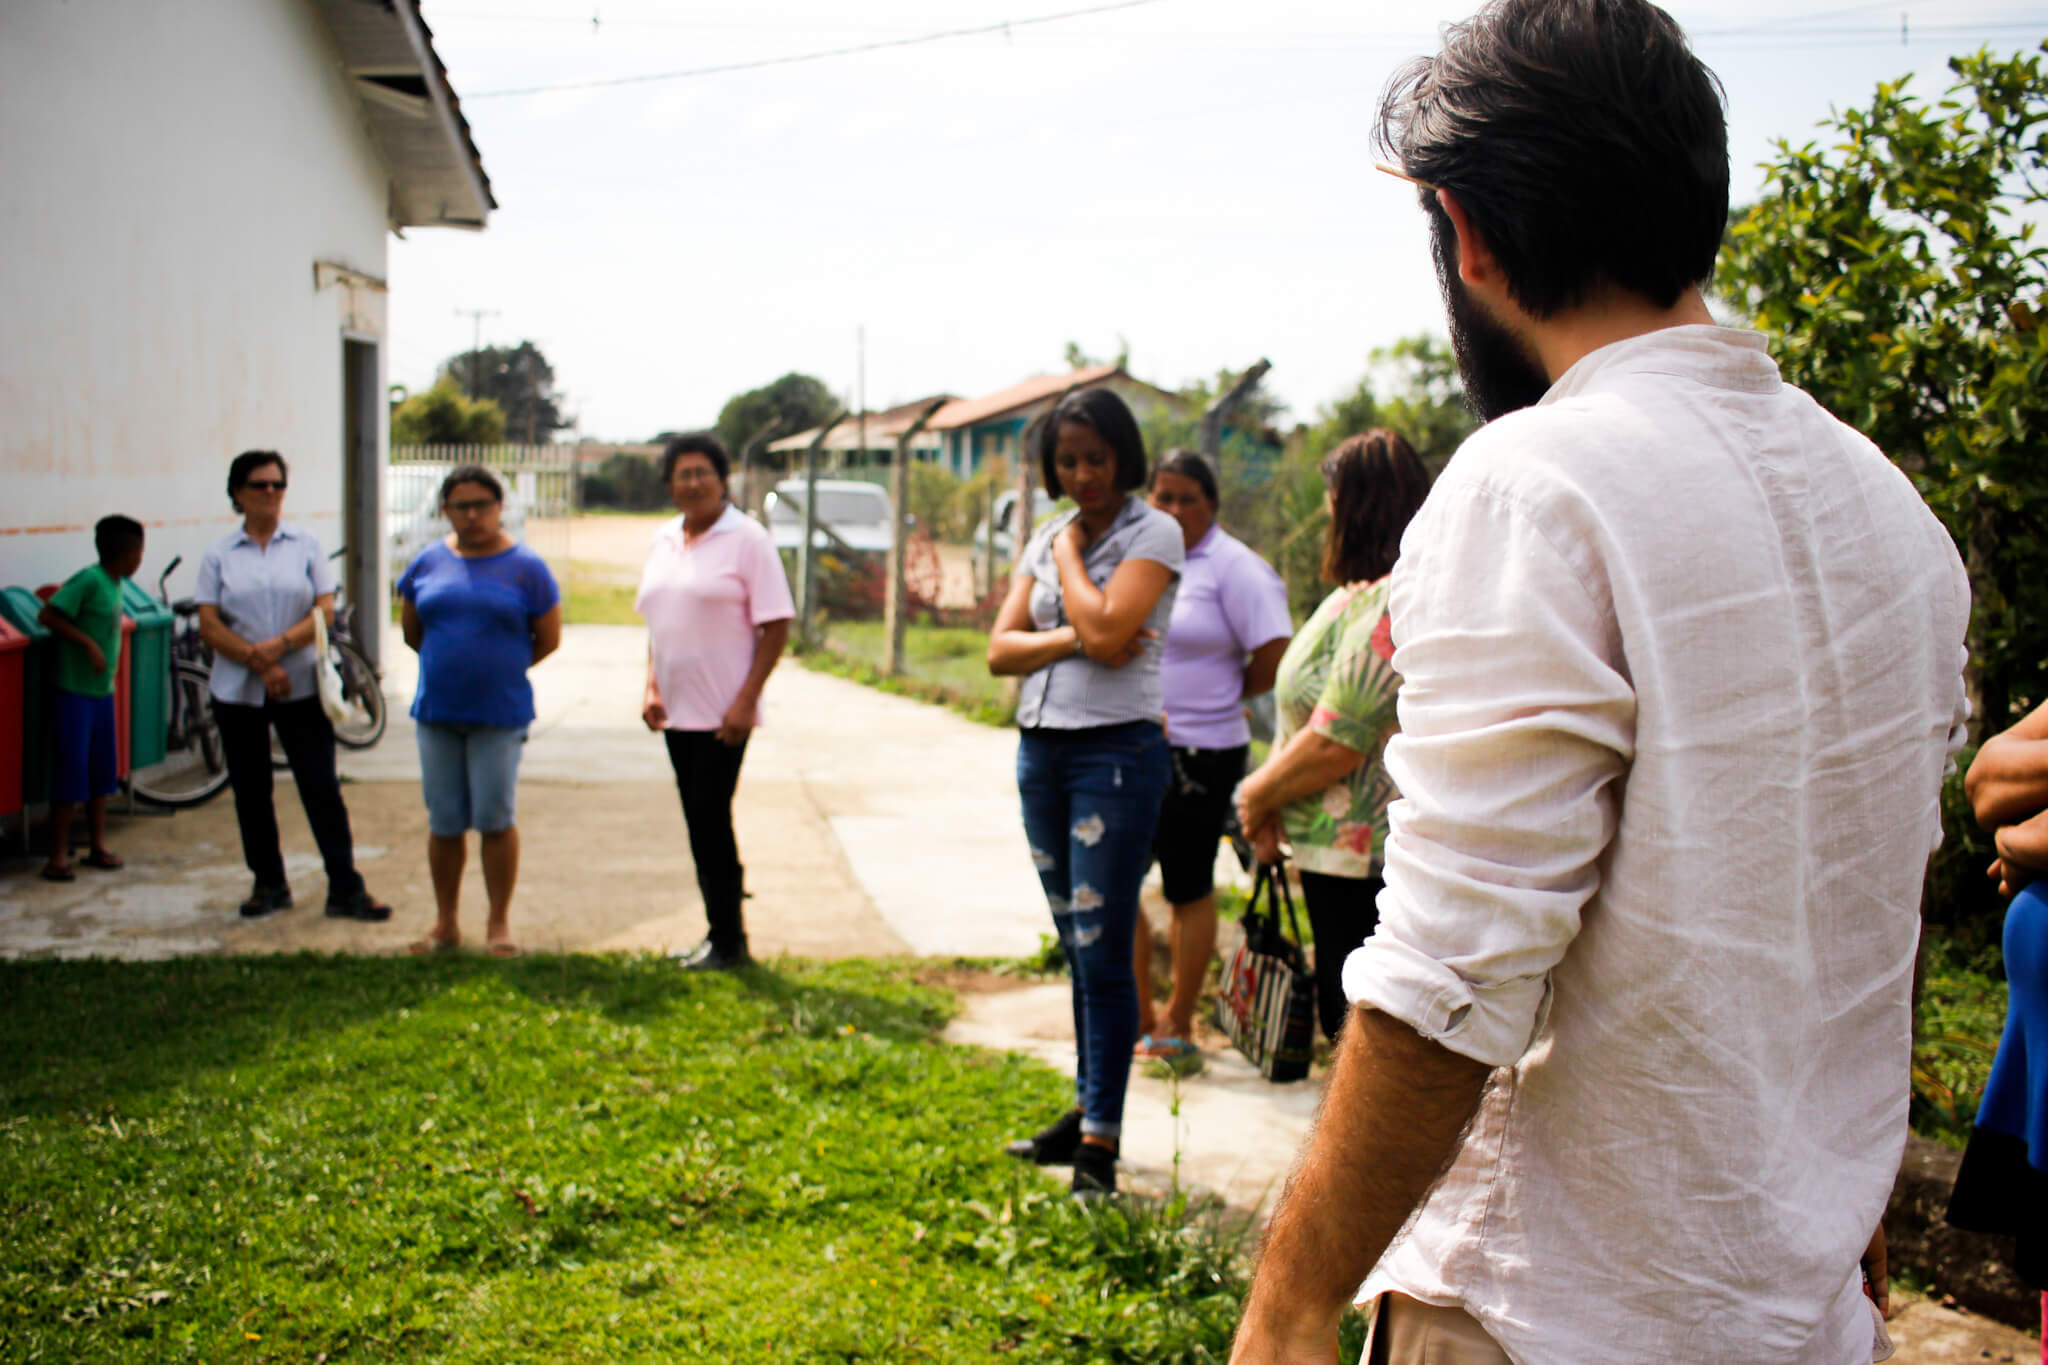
column 1103, row 413
column 1586, row 142
column 1376, row 483
column 695, row 443
column 115, row 536
column 247, row 463
column 472, row 473
column 1188, row 464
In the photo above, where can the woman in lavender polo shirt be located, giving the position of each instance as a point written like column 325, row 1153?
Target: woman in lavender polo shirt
column 1229, row 628
column 718, row 611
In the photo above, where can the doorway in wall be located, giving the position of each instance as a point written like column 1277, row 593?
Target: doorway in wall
column 362, row 492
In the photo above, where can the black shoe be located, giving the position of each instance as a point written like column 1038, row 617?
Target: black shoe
column 718, row 958
column 265, row 901
column 359, row 905
column 1094, row 1171
column 1053, row 1145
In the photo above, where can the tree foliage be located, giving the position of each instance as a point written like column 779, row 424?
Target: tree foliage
column 793, row 403
column 630, row 483
column 1895, row 270
column 444, row 415
column 520, row 381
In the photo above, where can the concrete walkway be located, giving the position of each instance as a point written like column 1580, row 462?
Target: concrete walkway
column 871, row 825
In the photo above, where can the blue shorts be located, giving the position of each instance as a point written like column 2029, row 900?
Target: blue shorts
column 84, row 765
column 469, row 774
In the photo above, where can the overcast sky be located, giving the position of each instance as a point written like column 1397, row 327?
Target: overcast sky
column 1184, row 174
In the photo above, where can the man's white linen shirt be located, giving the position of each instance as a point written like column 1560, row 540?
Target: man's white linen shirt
column 1681, row 663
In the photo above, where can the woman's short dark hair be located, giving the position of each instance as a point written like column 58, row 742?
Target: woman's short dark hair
column 1585, row 141
column 1188, row 464
column 472, row 473
column 1103, row 413
column 247, row 463
column 1376, row 483
column 695, row 443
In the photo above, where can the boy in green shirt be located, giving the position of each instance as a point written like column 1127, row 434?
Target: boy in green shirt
column 85, row 616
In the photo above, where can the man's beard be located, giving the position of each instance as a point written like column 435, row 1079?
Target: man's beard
column 1499, row 374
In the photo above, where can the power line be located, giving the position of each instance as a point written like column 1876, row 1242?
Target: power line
column 1003, row 26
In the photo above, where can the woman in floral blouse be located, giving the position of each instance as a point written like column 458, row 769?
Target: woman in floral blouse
column 1323, row 788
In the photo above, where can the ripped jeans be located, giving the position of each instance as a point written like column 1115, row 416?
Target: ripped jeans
column 1091, row 802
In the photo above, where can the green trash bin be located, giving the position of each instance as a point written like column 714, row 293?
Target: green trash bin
column 20, row 607
column 149, row 676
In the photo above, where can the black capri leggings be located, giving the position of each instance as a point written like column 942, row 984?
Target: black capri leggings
column 1191, row 820
column 1342, row 913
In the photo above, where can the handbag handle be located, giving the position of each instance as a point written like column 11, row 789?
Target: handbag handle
column 1273, row 877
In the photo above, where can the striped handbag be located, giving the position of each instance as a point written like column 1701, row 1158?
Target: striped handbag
column 1268, row 1002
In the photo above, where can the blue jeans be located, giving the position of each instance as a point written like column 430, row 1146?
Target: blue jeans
column 1091, row 802
column 469, row 775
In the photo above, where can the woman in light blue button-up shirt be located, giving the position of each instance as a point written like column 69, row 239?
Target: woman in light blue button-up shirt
column 258, row 590
column 1083, row 627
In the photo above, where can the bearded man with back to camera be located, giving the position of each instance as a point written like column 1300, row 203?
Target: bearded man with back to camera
column 1627, row 1073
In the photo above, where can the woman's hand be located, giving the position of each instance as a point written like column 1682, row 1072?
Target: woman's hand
column 277, row 683
column 1130, row 653
column 2022, row 854
column 263, row 655
column 1253, row 813
column 652, row 713
column 1265, row 841
column 739, row 720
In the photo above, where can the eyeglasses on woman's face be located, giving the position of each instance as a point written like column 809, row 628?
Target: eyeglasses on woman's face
column 265, row 485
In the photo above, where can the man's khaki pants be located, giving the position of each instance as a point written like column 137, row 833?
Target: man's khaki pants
column 1407, row 1331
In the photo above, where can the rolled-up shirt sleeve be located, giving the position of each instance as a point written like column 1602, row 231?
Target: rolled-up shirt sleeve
column 1516, row 720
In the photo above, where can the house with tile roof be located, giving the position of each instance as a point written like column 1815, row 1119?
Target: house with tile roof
column 972, row 431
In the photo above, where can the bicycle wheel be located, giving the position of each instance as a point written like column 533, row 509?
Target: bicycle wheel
column 195, row 765
column 364, row 695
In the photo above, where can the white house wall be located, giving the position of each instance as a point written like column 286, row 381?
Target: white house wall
column 172, row 173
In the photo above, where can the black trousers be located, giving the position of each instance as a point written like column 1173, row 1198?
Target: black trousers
column 707, row 771
column 1342, row 913
column 308, row 742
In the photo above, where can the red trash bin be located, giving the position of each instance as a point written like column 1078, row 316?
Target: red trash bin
column 13, row 715
column 122, row 720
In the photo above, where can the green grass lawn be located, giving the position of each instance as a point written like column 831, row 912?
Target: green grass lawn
column 946, row 664
column 560, row 1158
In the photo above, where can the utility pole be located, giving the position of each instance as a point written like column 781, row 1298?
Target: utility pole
column 860, row 386
column 476, row 318
column 805, row 556
column 1213, row 417
column 893, row 605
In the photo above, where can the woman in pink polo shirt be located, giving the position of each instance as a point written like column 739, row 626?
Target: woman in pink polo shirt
column 718, row 611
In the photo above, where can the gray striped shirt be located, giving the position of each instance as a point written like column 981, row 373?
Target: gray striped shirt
column 1076, row 693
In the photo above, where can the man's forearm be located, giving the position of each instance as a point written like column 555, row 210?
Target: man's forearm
column 1396, row 1109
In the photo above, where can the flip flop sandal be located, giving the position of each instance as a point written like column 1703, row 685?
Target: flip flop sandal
column 503, row 950
column 106, row 862
column 53, row 873
column 1167, row 1048
column 429, row 946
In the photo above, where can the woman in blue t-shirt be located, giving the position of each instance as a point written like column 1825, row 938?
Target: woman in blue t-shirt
column 479, row 609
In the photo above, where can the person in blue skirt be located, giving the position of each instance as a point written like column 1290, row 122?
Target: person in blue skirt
column 2002, row 1187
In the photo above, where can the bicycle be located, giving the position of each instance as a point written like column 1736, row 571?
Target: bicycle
column 195, row 764
column 361, row 687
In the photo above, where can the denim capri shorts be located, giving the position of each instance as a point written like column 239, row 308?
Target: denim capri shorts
column 469, row 775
